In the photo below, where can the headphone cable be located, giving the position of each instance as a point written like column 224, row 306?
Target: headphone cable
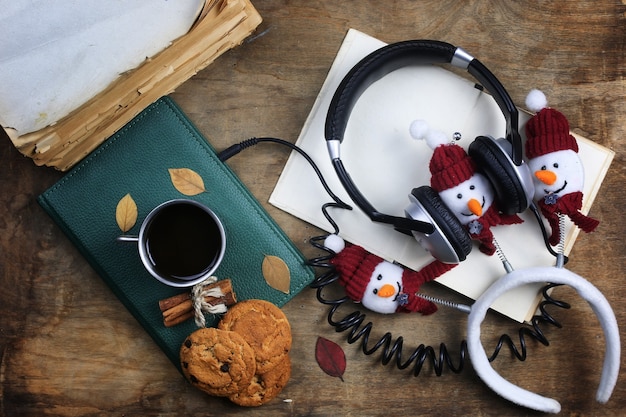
column 238, row 147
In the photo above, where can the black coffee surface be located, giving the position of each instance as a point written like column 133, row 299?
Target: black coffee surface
column 184, row 241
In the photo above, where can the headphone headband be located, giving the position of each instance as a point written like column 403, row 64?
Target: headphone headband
column 374, row 67
column 384, row 61
column 415, row 52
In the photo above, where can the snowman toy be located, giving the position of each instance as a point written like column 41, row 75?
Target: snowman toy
column 558, row 173
column 466, row 192
column 379, row 285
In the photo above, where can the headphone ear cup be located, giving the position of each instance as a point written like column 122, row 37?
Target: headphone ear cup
column 512, row 187
column 450, row 243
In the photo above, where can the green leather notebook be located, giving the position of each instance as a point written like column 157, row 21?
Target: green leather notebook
column 136, row 161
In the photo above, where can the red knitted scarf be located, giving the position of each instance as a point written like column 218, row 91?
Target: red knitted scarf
column 428, row 273
column 491, row 217
column 570, row 205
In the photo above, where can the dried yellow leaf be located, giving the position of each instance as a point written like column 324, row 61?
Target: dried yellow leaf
column 276, row 273
column 187, row 181
column 126, row 213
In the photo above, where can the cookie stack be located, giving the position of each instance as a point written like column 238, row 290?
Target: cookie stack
column 246, row 358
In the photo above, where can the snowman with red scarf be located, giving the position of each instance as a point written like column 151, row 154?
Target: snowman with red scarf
column 464, row 190
column 557, row 170
column 379, row 285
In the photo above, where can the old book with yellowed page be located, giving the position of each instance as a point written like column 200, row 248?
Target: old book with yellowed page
column 72, row 75
column 386, row 164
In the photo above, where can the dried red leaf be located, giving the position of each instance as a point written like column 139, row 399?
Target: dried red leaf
column 330, row 357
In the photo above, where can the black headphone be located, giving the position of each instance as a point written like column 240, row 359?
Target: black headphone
column 428, row 219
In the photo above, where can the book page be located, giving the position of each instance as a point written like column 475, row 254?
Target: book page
column 386, row 164
column 57, row 55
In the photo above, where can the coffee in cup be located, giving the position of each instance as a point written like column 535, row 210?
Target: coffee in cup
column 181, row 242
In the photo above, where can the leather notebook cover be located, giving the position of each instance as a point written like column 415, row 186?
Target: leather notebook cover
column 136, row 161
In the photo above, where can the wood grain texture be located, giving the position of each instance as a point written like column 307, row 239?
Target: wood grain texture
column 69, row 348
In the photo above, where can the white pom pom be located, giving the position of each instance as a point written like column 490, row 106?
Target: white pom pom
column 334, row 243
column 419, row 129
column 536, row 100
column 435, row 138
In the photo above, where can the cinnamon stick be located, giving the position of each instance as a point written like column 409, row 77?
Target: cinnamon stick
column 179, row 308
column 173, row 301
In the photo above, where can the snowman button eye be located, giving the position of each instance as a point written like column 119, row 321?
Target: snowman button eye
column 379, row 277
column 375, row 291
column 556, row 165
column 472, row 187
column 543, row 168
column 459, row 196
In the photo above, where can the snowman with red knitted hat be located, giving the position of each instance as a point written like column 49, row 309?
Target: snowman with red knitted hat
column 466, row 192
column 558, row 173
column 380, row 285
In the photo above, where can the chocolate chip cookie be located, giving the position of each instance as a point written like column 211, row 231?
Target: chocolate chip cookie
column 264, row 387
column 219, row 362
column 266, row 329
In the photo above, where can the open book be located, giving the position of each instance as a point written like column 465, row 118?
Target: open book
column 386, row 163
column 60, row 101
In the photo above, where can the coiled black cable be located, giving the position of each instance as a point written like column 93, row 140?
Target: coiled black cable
column 392, row 350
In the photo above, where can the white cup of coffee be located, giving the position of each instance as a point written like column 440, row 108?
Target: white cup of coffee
column 181, row 242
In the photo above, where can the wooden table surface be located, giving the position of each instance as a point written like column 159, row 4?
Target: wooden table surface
column 69, row 348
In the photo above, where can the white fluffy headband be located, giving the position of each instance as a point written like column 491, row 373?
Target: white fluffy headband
column 587, row 291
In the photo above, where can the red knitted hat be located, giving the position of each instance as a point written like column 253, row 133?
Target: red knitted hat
column 355, row 266
column 546, row 132
column 450, row 166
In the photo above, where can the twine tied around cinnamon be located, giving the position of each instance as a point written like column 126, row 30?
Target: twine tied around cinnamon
column 200, row 306
column 180, row 307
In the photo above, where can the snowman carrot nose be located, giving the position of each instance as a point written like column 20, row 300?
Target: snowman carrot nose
column 386, row 291
column 475, row 207
column 546, row 177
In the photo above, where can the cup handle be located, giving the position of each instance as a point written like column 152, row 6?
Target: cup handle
column 127, row 238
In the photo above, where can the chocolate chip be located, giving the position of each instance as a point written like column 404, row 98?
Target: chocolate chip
column 188, row 343
column 225, row 368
